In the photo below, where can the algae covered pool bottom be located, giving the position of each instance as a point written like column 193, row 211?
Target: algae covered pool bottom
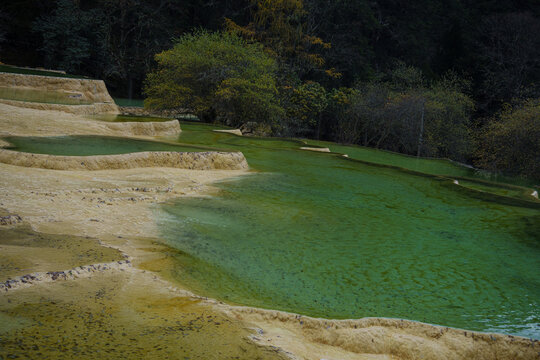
column 319, row 235
column 42, row 96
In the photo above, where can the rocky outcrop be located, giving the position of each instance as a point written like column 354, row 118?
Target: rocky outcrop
column 183, row 160
column 91, row 91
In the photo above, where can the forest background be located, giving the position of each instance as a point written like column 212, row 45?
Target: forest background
column 441, row 78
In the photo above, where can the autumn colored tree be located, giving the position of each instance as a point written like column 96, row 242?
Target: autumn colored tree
column 280, row 25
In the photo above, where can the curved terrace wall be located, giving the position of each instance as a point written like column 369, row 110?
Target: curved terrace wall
column 164, row 128
column 92, row 109
column 93, row 91
column 183, row 160
column 402, row 339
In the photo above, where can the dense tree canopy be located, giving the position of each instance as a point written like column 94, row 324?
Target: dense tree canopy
column 400, row 112
column 511, row 142
column 281, row 25
column 382, row 73
column 219, row 76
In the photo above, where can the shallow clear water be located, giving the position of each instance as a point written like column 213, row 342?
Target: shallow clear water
column 41, row 96
column 320, row 235
column 128, row 118
column 80, row 145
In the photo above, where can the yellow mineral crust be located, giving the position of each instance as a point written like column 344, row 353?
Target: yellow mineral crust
column 118, row 207
column 209, row 160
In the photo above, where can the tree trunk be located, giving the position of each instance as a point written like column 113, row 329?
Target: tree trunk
column 420, row 136
column 130, row 87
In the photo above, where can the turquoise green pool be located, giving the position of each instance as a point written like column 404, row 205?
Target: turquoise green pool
column 320, row 235
column 91, row 145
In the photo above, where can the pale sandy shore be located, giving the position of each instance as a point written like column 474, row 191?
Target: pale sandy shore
column 117, row 207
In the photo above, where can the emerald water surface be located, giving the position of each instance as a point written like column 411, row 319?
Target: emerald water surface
column 81, row 145
column 320, row 235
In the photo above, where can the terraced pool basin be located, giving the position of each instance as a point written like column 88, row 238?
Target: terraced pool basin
column 42, row 96
column 92, row 145
column 320, row 235
column 128, row 118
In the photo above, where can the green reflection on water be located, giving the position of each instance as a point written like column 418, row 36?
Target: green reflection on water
column 320, row 235
column 91, row 145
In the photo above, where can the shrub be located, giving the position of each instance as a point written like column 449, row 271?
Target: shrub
column 305, row 106
column 510, row 143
